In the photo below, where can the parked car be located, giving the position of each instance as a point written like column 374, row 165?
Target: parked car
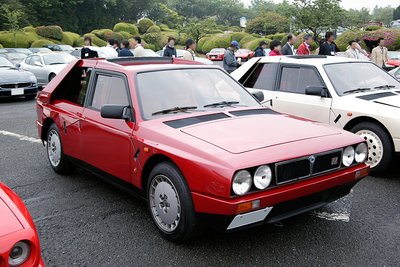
column 3, row 50
column 14, row 82
column 35, row 50
column 19, row 241
column 395, row 73
column 194, row 143
column 14, row 58
column 351, row 94
column 244, row 54
column 216, row 54
column 394, row 58
column 180, row 53
column 77, row 53
column 25, row 51
column 60, row 48
column 45, row 66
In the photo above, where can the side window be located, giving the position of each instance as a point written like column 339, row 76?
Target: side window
column 109, row 90
column 262, row 77
column 28, row 60
column 297, row 79
column 34, row 60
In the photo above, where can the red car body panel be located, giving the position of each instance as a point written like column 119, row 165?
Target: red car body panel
column 207, row 159
column 16, row 225
column 215, row 56
column 245, row 56
column 393, row 62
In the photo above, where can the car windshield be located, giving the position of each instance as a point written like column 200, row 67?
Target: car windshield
column 394, row 55
column 4, row 63
column 189, row 90
column 53, row 59
column 359, row 76
column 218, row 50
column 66, row 48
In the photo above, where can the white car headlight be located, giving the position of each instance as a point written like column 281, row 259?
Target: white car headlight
column 33, row 79
column 361, row 153
column 262, row 177
column 241, row 182
column 348, row 156
column 19, row 253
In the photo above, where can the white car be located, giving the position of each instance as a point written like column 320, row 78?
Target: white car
column 351, row 94
column 180, row 53
column 396, row 73
column 45, row 66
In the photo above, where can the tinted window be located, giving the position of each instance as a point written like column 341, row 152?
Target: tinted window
column 262, row 77
column 297, row 79
column 109, row 90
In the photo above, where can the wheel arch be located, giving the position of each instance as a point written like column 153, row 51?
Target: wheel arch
column 50, row 74
column 45, row 128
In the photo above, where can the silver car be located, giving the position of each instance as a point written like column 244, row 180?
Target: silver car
column 45, row 66
column 14, row 58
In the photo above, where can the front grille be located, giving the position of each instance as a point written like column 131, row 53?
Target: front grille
column 305, row 167
column 15, row 85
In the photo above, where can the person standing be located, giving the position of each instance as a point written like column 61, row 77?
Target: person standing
column 170, row 50
column 288, row 48
column 230, row 62
column 190, row 48
column 379, row 54
column 86, row 52
column 305, row 47
column 124, row 51
column 260, row 50
column 328, row 48
column 352, row 51
column 136, row 44
column 275, row 47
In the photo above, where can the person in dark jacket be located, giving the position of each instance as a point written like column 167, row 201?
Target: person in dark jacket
column 288, row 48
column 86, row 52
column 260, row 50
column 230, row 62
column 328, row 48
column 170, row 50
column 124, row 51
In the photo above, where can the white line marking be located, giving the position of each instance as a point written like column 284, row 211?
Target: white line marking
column 336, row 211
column 21, row 137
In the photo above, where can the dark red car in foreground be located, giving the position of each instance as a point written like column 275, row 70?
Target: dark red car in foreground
column 216, row 54
column 19, row 242
column 194, row 143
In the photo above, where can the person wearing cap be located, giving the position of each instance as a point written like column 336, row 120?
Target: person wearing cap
column 230, row 62
column 288, row 48
column 190, row 48
column 260, row 50
column 305, row 47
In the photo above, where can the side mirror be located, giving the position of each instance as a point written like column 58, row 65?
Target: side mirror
column 37, row 63
column 259, row 95
column 317, row 91
column 18, row 65
column 116, row 112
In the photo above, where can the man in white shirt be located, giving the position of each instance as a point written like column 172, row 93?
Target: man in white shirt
column 352, row 51
column 136, row 44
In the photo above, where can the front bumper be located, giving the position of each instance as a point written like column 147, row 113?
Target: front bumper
column 278, row 203
column 28, row 91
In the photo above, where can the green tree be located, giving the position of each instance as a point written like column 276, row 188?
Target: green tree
column 354, row 18
column 197, row 29
column 396, row 13
column 268, row 23
column 384, row 14
column 13, row 17
column 317, row 15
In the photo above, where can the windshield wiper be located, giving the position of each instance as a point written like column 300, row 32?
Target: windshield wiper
column 222, row 103
column 174, row 110
column 357, row 90
column 386, row 86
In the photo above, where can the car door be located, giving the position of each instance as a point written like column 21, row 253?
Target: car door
column 290, row 96
column 35, row 65
column 108, row 144
column 261, row 78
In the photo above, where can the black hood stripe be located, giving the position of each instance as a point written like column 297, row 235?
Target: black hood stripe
column 195, row 120
column 376, row 96
column 386, row 104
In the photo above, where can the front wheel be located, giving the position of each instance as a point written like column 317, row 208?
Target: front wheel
column 170, row 203
column 51, row 76
column 380, row 149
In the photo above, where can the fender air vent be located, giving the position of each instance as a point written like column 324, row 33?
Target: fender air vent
column 195, row 120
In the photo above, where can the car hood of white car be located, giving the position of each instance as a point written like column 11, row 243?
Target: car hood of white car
column 389, row 98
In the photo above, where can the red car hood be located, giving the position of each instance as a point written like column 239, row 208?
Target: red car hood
column 239, row 135
column 8, row 222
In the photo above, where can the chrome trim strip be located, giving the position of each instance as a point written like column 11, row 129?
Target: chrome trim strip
column 249, row 218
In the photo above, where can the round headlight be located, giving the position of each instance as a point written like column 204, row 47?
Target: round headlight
column 241, row 182
column 262, row 177
column 361, row 153
column 19, row 254
column 348, row 156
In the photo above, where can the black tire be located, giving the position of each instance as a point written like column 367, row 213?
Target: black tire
column 65, row 166
column 187, row 225
column 385, row 139
column 51, row 76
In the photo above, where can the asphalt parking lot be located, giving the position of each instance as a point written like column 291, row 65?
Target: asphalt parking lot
column 84, row 221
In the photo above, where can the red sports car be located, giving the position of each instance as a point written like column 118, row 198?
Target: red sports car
column 19, row 242
column 216, row 54
column 194, row 143
column 244, row 54
column 394, row 58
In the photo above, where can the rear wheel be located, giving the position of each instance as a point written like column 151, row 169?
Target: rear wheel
column 170, row 203
column 51, row 76
column 380, row 148
column 58, row 160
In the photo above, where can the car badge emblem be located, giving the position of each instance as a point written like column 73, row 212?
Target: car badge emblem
column 334, row 161
column 311, row 159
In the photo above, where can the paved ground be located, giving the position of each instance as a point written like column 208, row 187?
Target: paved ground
column 84, row 221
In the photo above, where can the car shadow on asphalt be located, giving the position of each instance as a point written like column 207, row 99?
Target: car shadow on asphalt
column 15, row 100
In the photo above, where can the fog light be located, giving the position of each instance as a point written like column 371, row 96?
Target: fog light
column 19, row 254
